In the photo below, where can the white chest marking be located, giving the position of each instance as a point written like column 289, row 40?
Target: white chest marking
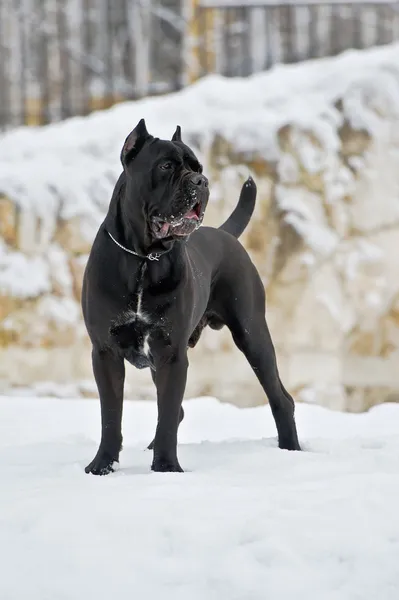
column 146, row 346
column 130, row 315
column 139, row 311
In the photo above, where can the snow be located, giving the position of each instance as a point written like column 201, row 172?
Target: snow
column 304, row 213
column 63, row 311
column 59, row 269
column 21, row 275
column 245, row 521
column 363, row 252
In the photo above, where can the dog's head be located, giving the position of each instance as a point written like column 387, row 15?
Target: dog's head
column 165, row 184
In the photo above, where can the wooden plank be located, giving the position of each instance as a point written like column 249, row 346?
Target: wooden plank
column 257, row 3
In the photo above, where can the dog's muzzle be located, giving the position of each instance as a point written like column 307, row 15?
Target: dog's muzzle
column 190, row 216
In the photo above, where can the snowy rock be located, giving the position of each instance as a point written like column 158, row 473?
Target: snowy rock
column 322, row 141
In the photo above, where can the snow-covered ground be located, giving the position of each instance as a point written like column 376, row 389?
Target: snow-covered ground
column 245, row 521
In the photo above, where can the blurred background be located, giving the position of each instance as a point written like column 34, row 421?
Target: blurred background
column 302, row 95
column 61, row 58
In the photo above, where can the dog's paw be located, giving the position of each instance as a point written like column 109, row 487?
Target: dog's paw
column 103, row 464
column 289, row 444
column 160, row 465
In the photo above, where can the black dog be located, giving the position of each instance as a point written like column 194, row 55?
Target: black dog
column 154, row 280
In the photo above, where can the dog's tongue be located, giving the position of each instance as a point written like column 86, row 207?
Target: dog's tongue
column 191, row 215
column 164, row 229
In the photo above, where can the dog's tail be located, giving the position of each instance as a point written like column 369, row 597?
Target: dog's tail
column 241, row 215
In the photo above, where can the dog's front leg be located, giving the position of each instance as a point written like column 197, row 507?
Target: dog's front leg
column 170, row 381
column 109, row 372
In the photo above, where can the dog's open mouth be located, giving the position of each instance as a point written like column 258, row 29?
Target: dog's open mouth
column 182, row 226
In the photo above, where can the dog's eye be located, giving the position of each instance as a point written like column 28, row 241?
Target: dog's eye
column 200, row 168
column 165, row 166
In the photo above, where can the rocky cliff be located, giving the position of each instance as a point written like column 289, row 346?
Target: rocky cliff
column 322, row 141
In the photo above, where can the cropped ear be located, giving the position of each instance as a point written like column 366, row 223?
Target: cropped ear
column 177, row 135
column 134, row 142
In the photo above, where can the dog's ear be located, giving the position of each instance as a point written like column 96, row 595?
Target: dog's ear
column 177, row 135
column 134, row 142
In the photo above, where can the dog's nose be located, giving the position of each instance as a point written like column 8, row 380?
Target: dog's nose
column 199, row 180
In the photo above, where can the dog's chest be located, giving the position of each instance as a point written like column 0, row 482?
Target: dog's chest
column 131, row 330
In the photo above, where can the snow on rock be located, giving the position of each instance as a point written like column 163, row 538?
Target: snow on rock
column 21, row 275
column 322, row 141
column 246, row 520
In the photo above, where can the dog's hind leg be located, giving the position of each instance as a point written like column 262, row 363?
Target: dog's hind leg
column 251, row 335
column 181, row 416
column 109, row 372
column 255, row 342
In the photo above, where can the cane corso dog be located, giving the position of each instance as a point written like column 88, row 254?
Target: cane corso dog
column 155, row 279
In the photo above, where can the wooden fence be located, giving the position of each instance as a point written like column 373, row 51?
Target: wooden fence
column 240, row 38
column 60, row 58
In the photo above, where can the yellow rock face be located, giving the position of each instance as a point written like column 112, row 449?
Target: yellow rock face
column 324, row 236
column 8, row 220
